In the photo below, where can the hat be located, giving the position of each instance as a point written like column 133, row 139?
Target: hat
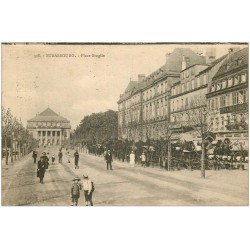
column 76, row 178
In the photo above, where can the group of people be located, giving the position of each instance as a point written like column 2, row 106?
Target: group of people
column 108, row 158
column 42, row 166
column 88, row 188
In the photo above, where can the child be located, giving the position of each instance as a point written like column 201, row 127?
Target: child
column 53, row 159
column 68, row 155
column 75, row 191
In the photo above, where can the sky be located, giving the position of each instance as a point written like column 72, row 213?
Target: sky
column 83, row 79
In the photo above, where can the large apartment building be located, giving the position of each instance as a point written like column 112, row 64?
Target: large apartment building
column 227, row 99
column 144, row 107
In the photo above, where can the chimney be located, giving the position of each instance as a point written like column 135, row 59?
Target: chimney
column 184, row 63
column 141, row 77
column 233, row 49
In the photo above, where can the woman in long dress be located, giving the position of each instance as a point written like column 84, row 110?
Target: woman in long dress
column 132, row 159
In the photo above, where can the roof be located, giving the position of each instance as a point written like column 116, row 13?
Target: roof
column 213, row 64
column 234, row 61
column 173, row 66
column 48, row 115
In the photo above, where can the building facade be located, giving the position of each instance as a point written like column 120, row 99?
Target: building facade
column 49, row 128
column 144, row 107
column 227, row 99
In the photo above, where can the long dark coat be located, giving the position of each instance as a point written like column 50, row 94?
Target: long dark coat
column 108, row 157
column 40, row 169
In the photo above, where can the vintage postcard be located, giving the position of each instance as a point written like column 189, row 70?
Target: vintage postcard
column 136, row 124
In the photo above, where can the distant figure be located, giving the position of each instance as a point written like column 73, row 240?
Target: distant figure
column 53, row 158
column 76, row 155
column 132, row 159
column 109, row 159
column 34, row 155
column 75, row 191
column 45, row 160
column 68, row 156
column 143, row 160
column 41, row 169
column 60, row 155
column 88, row 188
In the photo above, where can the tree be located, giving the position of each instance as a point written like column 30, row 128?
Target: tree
column 197, row 119
column 97, row 128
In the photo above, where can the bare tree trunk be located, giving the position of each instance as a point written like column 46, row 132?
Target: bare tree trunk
column 6, row 151
column 11, row 148
column 15, row 149
column 203, row 159
column 169, row 154
column 19, row 153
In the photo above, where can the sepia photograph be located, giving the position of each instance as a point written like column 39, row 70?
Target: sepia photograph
column 124, row 124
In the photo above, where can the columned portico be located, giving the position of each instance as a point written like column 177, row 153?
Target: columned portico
column 49, row 128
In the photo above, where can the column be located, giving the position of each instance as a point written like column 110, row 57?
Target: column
column 46, row 136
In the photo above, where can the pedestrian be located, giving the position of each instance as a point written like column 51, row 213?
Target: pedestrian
column 75, row 191
column 45, row 159
column 132, row 159
column 109, row 159
column 53, row 158
column 88, row 188
column 34, row 155
column 60, row 155
column 143, row 160
column 41, row 169
column 68, row 156
column 76, row 155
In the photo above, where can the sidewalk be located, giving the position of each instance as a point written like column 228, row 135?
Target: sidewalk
column 220, row 179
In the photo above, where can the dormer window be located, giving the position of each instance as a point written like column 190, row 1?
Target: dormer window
column 243, row 78
column 213, row 88
column 230, row 82
column 224, row 84
column 238, row 62
column 219, row 85
column 236, row 80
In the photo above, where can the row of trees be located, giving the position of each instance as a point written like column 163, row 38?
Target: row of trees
column 98, row 128
column 16, row 140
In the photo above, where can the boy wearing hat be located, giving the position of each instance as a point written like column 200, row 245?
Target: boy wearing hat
column 75, row 191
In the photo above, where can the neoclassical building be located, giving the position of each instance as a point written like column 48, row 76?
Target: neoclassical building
column 49, row 128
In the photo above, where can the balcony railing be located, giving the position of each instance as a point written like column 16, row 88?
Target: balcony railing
column 243, row 107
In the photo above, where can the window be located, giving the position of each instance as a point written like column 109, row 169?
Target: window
column 44, row 133
column 222, row 101
column 216, row 103
column 236, row 80
column 58, row 133
column 198, row 82
column 230, row 82
column 183, row 87
column 224, row 83
column 204, row 79
column 242, row 97
column 192, row 85
column 243, row 78
column 222, row 121
column 186, row 103
column 212, row 121
column 39, row 133
column 219, row 85
column 213, row 87
column 212, row 104
column 235, row 98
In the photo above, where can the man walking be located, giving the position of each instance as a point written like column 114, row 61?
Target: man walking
column 109, row 159
column 34, row 155
column 41, row 169
column 88, row 188
column 60, row 155
column 76, row 155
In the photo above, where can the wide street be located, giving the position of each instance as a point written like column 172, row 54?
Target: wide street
column 125, row 185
